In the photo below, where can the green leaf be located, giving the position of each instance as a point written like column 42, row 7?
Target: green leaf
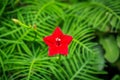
column 101, row 14
column 118, row 41
column 116, row 77
column 3, row 6
column 111, row 49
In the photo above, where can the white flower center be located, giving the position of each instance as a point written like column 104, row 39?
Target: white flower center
column 58, row 41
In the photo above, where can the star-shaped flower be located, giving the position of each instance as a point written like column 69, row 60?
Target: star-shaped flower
column 58, row 42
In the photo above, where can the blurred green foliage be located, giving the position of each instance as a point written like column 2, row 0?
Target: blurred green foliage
column 94, row 25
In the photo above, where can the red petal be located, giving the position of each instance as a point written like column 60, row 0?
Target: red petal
column 58, row 50
column 53, row 51
column 49, row 40
column 66, row 39
column 57, row 32
column 63, row 50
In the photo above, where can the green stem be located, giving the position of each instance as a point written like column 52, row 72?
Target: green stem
column 35, row 36
column 3, row 68
column 30, row 69
column 35, row 31
column 59, row 59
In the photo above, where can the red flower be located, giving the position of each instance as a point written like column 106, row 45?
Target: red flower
column 58, row 42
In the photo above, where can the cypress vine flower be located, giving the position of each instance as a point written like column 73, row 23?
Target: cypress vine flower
column 58, row 42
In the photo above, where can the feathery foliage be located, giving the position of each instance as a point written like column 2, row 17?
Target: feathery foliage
column 24, row 23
